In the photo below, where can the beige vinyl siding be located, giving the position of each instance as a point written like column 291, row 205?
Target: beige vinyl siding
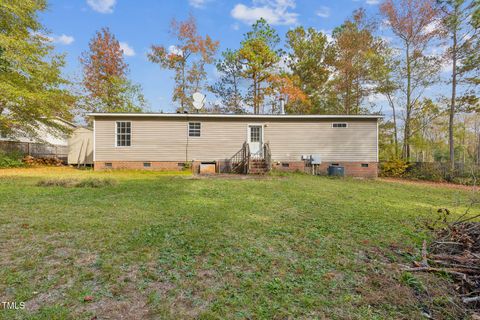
column 291, row 140
column 160, row 139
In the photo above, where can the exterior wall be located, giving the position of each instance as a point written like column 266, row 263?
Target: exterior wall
column 166, row 139
column 137, row 165
column 80, row 147
column 352, row 169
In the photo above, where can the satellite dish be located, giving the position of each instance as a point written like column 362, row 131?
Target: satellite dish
column 197, row 96
column 197, row 105
column 198, row 100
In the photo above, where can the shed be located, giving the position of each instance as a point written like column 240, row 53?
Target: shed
column 80, row 147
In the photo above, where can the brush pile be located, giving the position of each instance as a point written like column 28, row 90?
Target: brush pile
column 456, row 251
column 31, row 161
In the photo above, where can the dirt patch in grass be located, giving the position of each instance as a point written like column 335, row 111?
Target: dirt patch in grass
column 73, row 183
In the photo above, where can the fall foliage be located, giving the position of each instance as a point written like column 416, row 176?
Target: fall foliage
column 411, row 21
column 430, row 44
column 187, row 59
column 105, row 77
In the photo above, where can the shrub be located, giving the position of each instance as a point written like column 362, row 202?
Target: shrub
column 11, row 159
column 393, row 168
column 95, row 183
column 66, row 183
column 426, row 171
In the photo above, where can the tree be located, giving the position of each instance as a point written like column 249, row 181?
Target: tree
column 307, row 61
column 389, row 86
column 33, row 91
column 259, row 57
column 228, row 88
column 358, row 61
column 461, row 29
column 287, row 87
column 105, row 77
column 411, row 21
column 187, row 59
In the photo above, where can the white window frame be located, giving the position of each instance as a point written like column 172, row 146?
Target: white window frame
column 199, row 129
column 116, row 134
column 341, row 127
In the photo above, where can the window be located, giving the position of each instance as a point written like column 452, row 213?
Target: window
column 364, row 165
column 255, row 134
column 194, row 129
column 108, row 164
column 339, row 125
column 147, row 164
column 124, row 133
column 285, row 164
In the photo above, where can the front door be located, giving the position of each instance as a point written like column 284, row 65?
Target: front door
column 255, row 137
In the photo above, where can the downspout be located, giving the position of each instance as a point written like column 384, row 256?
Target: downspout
column 186, row 145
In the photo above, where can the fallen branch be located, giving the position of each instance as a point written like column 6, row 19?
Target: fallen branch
column 472, row 299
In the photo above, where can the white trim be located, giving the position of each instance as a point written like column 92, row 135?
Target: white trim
column 94, row 138
column 377, row 143
column 263, row 133
column 234, row 116
column 116, row 134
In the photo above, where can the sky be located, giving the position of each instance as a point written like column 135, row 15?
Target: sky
column 138, row 24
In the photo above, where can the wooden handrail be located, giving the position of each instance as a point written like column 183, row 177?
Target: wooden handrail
column 240, row 160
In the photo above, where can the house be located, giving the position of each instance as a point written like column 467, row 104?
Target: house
column 44, row 141
column 43, row 134
column 80, row 147
column 236, row 143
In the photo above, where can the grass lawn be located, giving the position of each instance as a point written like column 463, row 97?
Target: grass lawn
column 170, row 246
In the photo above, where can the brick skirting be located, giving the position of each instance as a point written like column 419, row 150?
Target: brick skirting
column 137, row 165
column 352, row 169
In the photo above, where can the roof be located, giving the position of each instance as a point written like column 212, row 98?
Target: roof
column 234, row 116
column 73, row 125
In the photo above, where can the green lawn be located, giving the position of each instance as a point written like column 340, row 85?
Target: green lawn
column 170, row 246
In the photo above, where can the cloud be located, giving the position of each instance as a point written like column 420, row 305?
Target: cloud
column 235, row 26
column 328, row 34
column 127, row 50
column 432, row 26
column 275, row 12
column 175, row 50
column 323, row 12
column 197, row 3
column 102, row 6
column 63, row 39
column 372, row 2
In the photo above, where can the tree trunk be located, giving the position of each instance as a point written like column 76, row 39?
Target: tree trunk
column 182, row 99
column 406, row 136
column 395, row 132
column 453, row 99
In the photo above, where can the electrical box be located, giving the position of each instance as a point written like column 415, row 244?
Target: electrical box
column 316, row 159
